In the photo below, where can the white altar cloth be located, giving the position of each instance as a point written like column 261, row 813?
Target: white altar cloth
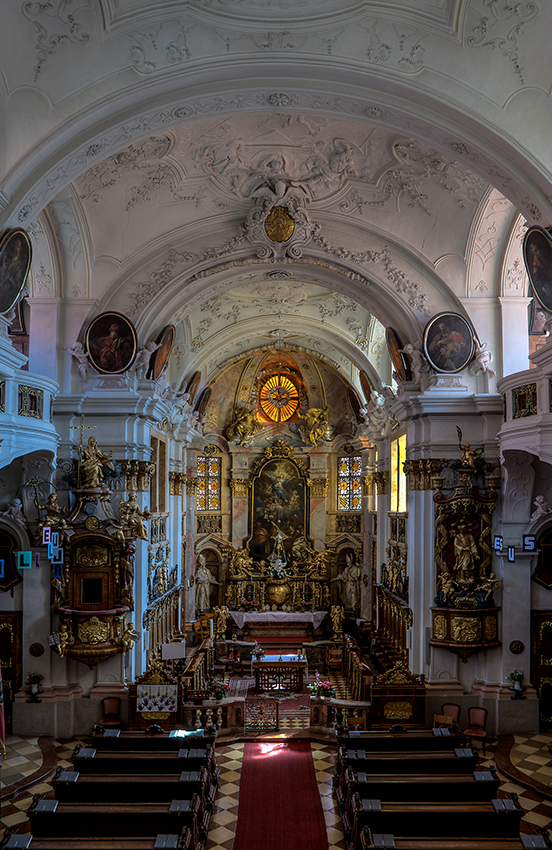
column 241, row 617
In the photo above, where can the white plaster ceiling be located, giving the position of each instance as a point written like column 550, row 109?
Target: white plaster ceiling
column 142, row 132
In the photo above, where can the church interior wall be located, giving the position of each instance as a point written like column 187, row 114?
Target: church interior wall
column 139, row 191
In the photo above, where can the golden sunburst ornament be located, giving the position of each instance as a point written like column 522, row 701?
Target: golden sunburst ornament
column 279, row 398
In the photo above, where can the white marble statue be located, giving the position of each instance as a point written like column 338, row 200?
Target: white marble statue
column 542, row 508
column 77, row 351
column 482, row 360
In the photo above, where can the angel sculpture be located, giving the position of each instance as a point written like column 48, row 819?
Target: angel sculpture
column 243, row 426
column 143, row 358
column 317, row 424
column 482, row 360
column 418, row 362
column 77, row 351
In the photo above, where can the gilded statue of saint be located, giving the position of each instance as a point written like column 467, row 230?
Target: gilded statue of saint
column 93, row 461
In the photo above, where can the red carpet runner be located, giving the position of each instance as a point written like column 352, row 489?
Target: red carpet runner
column 280, row 807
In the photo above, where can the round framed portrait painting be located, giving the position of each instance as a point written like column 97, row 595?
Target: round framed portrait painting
column 537, row 253
column 111, row 343
column 15, row 262
column 448, row 342
column 160, row 357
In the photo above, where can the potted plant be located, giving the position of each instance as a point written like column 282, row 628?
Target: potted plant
column 33, row 682
column 218, row 690
column 321, row 688
column 257, row 651
column 516, row 677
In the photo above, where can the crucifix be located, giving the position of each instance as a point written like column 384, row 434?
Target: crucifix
column 81, row 428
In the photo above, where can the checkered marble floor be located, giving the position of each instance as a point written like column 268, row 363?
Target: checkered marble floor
column 229, row 758
column 526, row 758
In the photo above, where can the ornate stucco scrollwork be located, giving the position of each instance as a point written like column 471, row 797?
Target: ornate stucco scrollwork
column 318, row 487
column 94, row 631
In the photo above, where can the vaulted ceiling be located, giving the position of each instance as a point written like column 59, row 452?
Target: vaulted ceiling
column 138, row 137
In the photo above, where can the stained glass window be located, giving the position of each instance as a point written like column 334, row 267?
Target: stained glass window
column 349, row 483
column 208, row 483
column 279, row 398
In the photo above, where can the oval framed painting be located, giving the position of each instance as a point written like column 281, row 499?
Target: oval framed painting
column 15, row 262
column 537, row 254
column 400, row 363
column 160, row 357
column 448, row 342
column 111, row 343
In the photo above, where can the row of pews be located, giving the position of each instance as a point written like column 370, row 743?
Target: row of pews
column 128, row 791
column 421, row 790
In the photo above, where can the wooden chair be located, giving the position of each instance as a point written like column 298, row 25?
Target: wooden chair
column 451, row 709
column 355, row 722
column 477, row 721
column 111, row 712
column 335, row 657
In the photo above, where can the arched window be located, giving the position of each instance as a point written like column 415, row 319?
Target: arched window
column 208, row 484
column 349, row 483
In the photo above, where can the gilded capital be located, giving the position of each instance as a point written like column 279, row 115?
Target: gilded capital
column 240, row 487
column 318, row 487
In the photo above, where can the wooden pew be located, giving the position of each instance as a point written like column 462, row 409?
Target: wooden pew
column 49, row 818
column 117, row 741
column 476, row 787
column 496, row 819
column 91, row 760
column 425, row 739
column 458, row 761
column 369, row 840
column 73, row 787
column 16, row 841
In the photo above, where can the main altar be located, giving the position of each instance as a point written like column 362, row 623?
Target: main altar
column 277, row 568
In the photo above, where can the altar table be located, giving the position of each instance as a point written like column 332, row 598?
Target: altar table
column 312, row 617
column 280, row 672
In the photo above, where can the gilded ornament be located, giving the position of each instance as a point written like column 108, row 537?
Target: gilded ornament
column 397, row 711
column 465, row 629
column 279, row 225
column 439, row 627
column 93, row 631
column 490, row 628
column 318, row 487
column 239, row 487
column 91, row 556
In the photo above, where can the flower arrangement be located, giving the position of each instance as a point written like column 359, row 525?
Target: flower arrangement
column 218, row 690
column 257, row 651
column 515, row 676
column 249, row 606
column 320, row 688
column 34, row 679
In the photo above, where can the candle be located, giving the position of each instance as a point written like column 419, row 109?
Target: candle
column 211, row 628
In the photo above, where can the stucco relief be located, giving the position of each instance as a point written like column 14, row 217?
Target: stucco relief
column 517, row 485
column 304, row 103
column 159, row 47
column 498, row 25
column 490, row 228
column 55, row 23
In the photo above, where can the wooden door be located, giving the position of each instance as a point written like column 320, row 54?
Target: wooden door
column 541, row 663
column 10, row 658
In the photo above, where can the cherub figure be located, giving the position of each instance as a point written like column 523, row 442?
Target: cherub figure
column 15, row 511
column 542, row 508
column 77, row 351
column 419, row 364
column 487, row 585
column 482, row 360
column 143, row 358
column 128, row 638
